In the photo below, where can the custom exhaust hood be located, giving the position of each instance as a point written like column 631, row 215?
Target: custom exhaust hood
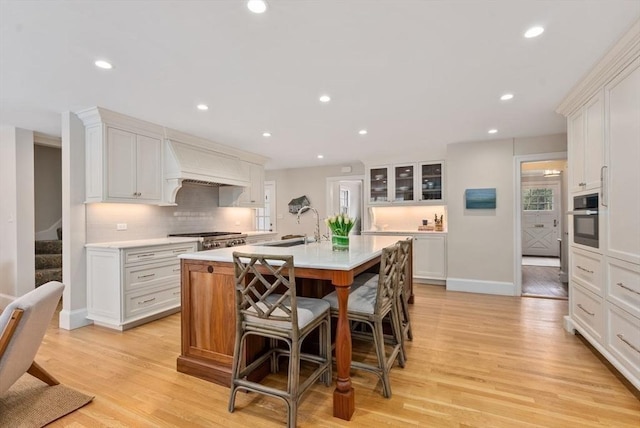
column 194, row 163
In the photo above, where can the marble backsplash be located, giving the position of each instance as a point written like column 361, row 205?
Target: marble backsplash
column 197, row 211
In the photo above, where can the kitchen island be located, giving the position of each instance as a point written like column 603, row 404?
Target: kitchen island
column 208, row 305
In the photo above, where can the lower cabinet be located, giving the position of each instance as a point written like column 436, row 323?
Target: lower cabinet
column 604, row 301
column 430, row 257
column 127, row 287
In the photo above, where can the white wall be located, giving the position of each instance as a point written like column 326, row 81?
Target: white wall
column 312, row 182
column 480, row 246
column 48, row 189
column 17, row 265
column 197, row 211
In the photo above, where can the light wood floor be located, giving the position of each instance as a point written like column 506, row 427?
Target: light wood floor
column 476, row 361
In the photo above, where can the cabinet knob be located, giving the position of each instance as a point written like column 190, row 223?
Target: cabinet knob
column 210, row 269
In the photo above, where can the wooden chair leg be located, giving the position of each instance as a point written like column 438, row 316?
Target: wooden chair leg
column 36, row 371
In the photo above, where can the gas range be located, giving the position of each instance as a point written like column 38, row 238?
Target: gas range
column 212, row 240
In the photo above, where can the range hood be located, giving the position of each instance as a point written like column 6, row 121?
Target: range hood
column 195, row 163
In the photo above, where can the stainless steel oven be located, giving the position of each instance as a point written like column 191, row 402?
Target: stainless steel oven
column 585, row 220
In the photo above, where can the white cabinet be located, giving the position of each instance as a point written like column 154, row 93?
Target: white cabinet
column 127, row 287
column 620, row 201
column 405, row 183
column 429, row 256
column 604, row 154
column 251, row 196
column 123, row 158
column 585, row 140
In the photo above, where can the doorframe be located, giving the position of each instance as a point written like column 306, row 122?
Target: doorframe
column 330, row 181
column 517, row 202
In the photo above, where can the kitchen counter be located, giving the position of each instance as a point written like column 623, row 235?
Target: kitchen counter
column 142, row 242
column 402, row 232
column 260, row 233
column 314, row 256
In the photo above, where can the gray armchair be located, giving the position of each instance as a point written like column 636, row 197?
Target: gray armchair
column 22, row 327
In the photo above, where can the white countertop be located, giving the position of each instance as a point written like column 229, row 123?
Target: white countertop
column 312, row 255
column 142, row 242
column 401, row 232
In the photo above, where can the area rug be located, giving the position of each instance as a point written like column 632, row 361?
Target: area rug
column 31, row 403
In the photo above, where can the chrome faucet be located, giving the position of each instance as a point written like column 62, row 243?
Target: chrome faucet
column 316, row 233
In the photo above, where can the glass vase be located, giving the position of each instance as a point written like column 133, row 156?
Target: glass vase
column 339, row 243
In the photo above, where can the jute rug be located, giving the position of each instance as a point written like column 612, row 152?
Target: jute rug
column 31, row 403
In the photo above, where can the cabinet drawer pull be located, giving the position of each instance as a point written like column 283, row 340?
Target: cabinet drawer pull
column 581, row 307
column 176, row 270
column 147, row 301
column 179, row 251
column 629, row 344
column 149, row 275
column 176, row 293
column 583, row 269
column 619, row 284
column 146, row 255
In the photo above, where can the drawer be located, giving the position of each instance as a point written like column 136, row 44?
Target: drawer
column 151, row 301
column 151, row 274
column 586, row 269
column 623, row 285
column 157, row 252
column 586, row 310
column 623, row 338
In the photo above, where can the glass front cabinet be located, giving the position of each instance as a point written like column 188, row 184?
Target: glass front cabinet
column 406, row 183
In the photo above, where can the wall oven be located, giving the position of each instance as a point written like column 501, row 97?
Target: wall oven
column 585, row 220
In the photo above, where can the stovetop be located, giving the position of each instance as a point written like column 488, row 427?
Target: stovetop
column 212, row 240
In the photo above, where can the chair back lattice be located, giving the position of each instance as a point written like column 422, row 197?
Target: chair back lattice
column 387, row 277
column 265, row 287
column 404, row 251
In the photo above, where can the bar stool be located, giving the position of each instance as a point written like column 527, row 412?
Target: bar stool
column 370, row 303
column 404, row 252
column 267, row 306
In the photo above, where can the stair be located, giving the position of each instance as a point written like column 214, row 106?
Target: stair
column 48, row 261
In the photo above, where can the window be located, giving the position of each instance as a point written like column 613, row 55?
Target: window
column 537, row 199
column 345, row 197
column 265, row 217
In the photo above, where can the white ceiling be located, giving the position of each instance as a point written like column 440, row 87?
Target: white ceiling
column 416, row 74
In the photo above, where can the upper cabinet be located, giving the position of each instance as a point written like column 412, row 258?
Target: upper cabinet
column 251, row 196
column 586, row 147
column 405, row 183
column 123, row 159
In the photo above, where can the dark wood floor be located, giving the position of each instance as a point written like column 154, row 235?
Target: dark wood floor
column 543, row 281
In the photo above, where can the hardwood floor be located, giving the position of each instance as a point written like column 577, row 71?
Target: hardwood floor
column 476, row 361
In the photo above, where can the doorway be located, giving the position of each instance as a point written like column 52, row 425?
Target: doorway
column 344, row 195
column 541, row 226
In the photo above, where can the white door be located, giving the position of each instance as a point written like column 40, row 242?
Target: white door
column 540, row 219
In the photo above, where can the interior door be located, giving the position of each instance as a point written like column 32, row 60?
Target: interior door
column 540, row 219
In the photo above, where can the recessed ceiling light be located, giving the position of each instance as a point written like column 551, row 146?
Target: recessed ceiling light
column 506, row 97
column 202, row 107
column 325, row 98
column 493, row 131
column 103, row 64
column 266, row 134
column 362, row 132
column 320, row 156
column 533, row 32
column 257, row 6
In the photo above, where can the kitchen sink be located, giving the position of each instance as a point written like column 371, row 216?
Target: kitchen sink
column 283, row 244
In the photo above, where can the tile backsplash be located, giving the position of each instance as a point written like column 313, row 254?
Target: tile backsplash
column 197, row 211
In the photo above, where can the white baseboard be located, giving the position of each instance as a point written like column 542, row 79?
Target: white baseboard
column 482, row 287
column 567, row 323
column 70, row 320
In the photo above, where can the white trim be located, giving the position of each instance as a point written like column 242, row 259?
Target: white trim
column 517, row 209
column 46, row 140
column 70, row 320
column 482, row 287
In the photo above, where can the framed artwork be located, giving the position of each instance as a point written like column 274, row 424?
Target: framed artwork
column 480, row 199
